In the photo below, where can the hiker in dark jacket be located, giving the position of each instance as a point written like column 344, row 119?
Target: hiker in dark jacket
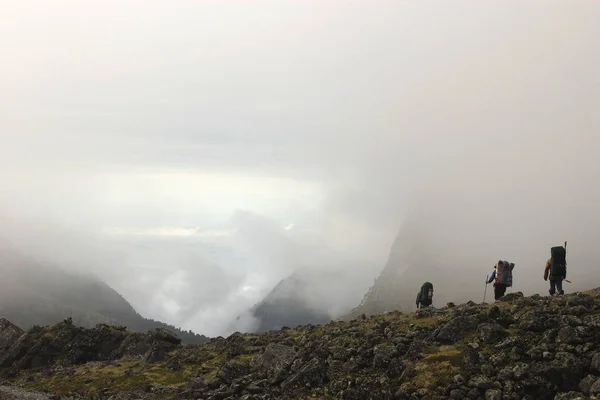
column 425, row 295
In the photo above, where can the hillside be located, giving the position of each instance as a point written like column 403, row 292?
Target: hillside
column 519, row 348
column 32, row 293
column 287, row 305
column 308, row 296
column 427, row 249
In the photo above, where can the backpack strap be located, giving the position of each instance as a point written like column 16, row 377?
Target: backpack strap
column 498, row 271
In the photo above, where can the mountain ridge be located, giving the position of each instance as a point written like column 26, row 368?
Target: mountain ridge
column 34, row 293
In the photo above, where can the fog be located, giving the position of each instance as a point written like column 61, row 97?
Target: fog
column 192, row 155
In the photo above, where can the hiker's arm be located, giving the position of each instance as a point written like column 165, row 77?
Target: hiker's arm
column 546, row 271
column 492, row 277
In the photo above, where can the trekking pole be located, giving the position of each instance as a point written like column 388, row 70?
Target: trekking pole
column 566, row 259
column 485, row 290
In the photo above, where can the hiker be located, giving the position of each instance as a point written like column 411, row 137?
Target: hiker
column 502, row 278
column 425, row 295
column 556, row 269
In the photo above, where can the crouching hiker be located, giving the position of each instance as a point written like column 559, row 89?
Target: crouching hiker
column 502, row 278
column 425, row 295
column 556, row 269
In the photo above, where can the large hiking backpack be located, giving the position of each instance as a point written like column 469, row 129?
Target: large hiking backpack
column 558, row 262
column 427, row 294
column 504, row 273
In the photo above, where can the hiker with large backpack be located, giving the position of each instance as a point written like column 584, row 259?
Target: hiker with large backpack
column 425, row 295
column 556, row 268
column 502, row 278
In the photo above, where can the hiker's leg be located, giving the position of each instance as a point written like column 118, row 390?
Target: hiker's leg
column 497, row 292
column 552, row 287
column 559, row 286
column 502, row 290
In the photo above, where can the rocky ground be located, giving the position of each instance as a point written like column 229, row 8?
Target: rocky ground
column 519, row 348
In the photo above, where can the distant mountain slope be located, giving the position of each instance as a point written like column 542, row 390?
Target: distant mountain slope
column 32, row 293
column 423, row 253
column 287, row 305
column 311, row 295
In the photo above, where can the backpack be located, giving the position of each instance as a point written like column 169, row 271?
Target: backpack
column 504, row 273
column 558, row 261
column 426, row 294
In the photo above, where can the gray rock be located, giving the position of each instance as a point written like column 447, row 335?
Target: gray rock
column 383, row 355
column 482, row 382
column 473, row 394
column 595, row 364
column 275, row 357
column 595, row 389
column 520, row 371
column 564, row 371
column 312, row 374
column 567, row 335
column 511, row 297
column 570, row 396
column 456, row 328
column 585, row 386
column 493, row 394
column 491, row 332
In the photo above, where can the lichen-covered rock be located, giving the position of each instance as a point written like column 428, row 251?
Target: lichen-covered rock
column 595, row 363
column 491, row 332
column 493, row 394
column 571, row 396
column 595, row 388
column 456, row 327
column 276, row 357
column 511, row 297
column 585, row 386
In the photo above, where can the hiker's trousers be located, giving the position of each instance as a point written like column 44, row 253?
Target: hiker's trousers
column 556, row 285
column 499, row 290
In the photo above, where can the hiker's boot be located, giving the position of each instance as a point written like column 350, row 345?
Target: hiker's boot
column 551, row 292
column 561, row 292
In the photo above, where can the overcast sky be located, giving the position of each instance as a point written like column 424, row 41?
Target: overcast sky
column 322, row 119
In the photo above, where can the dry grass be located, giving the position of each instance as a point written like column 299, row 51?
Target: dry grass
column 125, row 375
column 436, row 368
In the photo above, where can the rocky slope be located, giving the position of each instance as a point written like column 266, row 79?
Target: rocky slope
column 519, row 348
